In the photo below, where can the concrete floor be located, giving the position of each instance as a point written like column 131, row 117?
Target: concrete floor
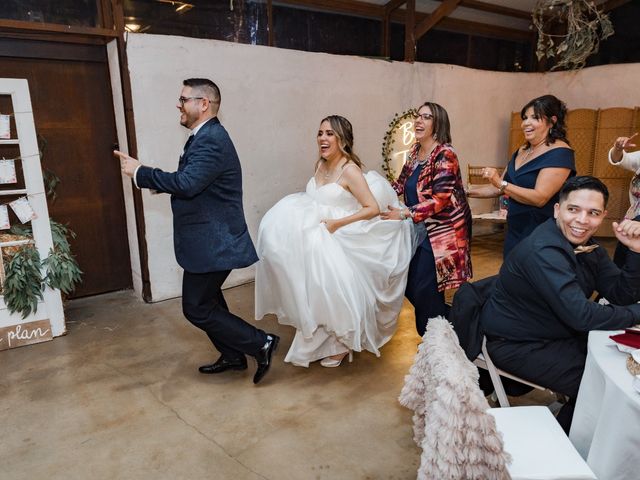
column 120, row 397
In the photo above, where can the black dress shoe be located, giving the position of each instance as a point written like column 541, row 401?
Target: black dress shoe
column 222, row 365
column 264, row 356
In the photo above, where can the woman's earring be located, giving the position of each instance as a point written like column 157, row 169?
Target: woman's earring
column 434, row 136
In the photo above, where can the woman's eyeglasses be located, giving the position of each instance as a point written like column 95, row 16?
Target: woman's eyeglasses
column 424, row 116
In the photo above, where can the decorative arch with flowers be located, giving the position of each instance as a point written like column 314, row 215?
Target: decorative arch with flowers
column 397, row 143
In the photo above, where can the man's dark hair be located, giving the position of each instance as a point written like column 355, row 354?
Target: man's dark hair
column 206, row 87
column 584, row 182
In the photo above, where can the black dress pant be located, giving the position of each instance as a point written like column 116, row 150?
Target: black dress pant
column 203, row 304
column 554, row 364
column 422, row 287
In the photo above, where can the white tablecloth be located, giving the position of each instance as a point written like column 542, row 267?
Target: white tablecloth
column 606, row 423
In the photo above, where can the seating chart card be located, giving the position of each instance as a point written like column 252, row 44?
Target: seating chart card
column 4, row 218
column 23, row 209
column 8, row 171
column 5, row 126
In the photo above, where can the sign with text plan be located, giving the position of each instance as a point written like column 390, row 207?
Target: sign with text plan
column 25, row 334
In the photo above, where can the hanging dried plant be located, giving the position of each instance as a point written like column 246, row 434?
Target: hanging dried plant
column 584, row 26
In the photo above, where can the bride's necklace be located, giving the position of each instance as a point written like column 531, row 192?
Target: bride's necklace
column 326, row 173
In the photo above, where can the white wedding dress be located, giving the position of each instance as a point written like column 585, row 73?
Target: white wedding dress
column 342, row 290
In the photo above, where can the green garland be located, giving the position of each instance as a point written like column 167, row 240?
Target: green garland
column 387, row 144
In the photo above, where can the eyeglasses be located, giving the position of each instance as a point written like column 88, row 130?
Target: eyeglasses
column 424, row 116
column 183, row 100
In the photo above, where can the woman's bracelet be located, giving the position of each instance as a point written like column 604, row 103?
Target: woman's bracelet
column 404, row 216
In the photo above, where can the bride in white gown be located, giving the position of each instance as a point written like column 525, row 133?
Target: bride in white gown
column 329, row 266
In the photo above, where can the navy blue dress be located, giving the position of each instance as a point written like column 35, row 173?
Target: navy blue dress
column 422, row 282
column 411, row 195
column 523, row 219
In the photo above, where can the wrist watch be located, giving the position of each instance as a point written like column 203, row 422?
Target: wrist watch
column 402, row 215
column 503, row 185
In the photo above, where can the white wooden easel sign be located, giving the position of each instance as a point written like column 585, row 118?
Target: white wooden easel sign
column 48, row 319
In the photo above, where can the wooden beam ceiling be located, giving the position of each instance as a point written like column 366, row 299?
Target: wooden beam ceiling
column 498, row 9
column 356, row 7
column 348, row 7
column 392, row 5
column 486, row 30
column 270, row 36
column 435, row 17
column 25, row 26
column 418, row 23
column 389, row 8
column 391, row 12
column 471, row 28
column 409, row 31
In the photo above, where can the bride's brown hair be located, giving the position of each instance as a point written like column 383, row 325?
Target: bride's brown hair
column 344, row 131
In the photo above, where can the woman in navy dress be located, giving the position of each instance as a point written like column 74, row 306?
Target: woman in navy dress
column 536, row 171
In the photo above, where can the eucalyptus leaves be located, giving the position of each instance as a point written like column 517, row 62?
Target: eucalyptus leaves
column 581, row 26
column 24, row 284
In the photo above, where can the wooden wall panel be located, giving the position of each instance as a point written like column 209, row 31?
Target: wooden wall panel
column 612, row 123
column 617, row 206
column 581, row 133
column 516, row 137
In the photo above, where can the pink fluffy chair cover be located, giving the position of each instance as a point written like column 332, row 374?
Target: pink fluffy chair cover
column 458, row 437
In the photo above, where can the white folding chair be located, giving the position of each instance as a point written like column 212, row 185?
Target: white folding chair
column 538, row 445
column 484, row 361
column 450, row 411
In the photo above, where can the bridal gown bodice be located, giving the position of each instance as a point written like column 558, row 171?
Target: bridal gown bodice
column 347, row 287
column 332, row 195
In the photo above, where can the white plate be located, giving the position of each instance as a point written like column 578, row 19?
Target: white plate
column 626, row 349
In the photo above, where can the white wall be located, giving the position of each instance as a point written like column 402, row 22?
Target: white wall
column 273, row 100
column 598, row 87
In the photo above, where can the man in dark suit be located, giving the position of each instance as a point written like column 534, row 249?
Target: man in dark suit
column 209, row 230
column 540, row 311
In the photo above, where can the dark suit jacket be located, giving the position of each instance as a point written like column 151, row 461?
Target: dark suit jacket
column 543, row 290
column 209, row 229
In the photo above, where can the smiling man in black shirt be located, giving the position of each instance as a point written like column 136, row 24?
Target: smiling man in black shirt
column 540, row 311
